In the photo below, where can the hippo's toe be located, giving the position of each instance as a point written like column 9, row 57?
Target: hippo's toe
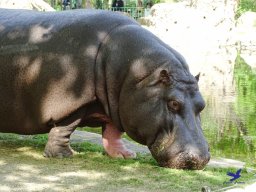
column 113, row 144
column 58, row 151
column 117, row 149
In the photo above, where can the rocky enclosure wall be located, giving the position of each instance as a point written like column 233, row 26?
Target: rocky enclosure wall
column 38, row 5
column 209, row 37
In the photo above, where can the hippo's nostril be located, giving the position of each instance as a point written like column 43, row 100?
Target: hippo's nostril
column 193, row 161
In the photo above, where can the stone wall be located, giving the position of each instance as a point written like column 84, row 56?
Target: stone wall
column 246, row 36
column 204, row 37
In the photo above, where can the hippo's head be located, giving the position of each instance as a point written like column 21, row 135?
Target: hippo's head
column 162, row 111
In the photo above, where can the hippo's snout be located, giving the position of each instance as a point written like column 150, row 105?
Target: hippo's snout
column 175, row 154
column 186, row 160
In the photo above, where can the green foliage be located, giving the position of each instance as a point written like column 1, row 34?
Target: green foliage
column 246, row 87
column 130, row 3
column 245, row 106
column 97, row 4
column 35, row 140
column 234, row 136
column 245, row 5
column 155, row 1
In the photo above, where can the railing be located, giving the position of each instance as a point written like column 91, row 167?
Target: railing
column 135, row 12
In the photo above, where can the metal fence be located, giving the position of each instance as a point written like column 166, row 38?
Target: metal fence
column 134, row 12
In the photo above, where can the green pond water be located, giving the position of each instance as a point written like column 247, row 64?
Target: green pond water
column 232, row 132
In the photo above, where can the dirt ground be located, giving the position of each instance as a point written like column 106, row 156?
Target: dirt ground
column 25, row 169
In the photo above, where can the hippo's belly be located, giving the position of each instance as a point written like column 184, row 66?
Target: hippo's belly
column 39, row 88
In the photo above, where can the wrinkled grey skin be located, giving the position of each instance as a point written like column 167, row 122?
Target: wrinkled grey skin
column 76, row 68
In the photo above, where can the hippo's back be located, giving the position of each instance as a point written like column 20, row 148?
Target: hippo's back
column 47, row 64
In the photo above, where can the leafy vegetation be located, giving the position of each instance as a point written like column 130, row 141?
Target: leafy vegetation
column 245, row 104
column 245, row 5
column 232, row 135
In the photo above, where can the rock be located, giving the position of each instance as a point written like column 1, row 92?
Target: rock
column 224, row 163
column 247, row 20
column 38, row 5
column 249, row 188
column 228, row 7
column 204, row 36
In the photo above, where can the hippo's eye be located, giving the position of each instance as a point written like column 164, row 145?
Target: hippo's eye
column 174, row 105
column 200, row 106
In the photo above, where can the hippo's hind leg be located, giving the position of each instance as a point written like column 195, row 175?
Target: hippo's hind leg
column 58, row 141
column 113, row 143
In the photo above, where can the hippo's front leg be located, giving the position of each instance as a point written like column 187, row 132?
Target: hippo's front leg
column 113, row 144
column 58, row 141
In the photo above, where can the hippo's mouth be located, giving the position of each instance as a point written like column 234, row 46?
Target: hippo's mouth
column 178, row 159
column 186, row 161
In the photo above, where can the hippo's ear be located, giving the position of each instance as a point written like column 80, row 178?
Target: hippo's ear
column 165, row 77
column 197, row 77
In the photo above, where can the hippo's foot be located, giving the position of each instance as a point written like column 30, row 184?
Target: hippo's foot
column 113, row 143
column 58, row 143
column 51, row 150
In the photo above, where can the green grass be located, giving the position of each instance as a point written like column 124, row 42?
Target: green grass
column 91, row 170
column 98, row 130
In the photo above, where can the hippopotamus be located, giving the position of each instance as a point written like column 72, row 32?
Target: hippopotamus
column 63, row 70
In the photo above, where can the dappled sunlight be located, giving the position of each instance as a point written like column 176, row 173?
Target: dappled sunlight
column 139, row 69
column 90, row 51
column 39, row 177
column 51, row 178
column 65, row 61
column 20, row 172
column 102, row 34
column 32, row 169
column 4, row 188
column 12, row 178
column 28, row 170
column 128, row 168
column 39, row 34
column 1, row 28
column 2, row 163
column 208, row 174
column 31, row 68
column 29, row 151
column 85, row 174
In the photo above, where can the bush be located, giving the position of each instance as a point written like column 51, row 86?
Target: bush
column 245, row 5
